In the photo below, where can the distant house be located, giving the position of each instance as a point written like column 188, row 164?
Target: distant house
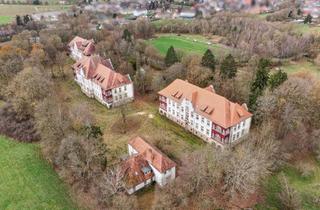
column 188, row 14
column 206, row 114
column 80, row 47
column 140, row 12
column 98, row 79
column 145, row 165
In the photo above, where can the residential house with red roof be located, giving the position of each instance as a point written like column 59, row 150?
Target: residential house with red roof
column 204, row 113
column 80, row 47
column 145, row 165
column 99, row 80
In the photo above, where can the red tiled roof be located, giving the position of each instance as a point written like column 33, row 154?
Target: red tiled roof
column 207, row 103
column 132, row 170
column 86, row 46
column 95, row 68
column 155, row 157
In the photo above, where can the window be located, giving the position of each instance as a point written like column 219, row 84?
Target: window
column 208, row 132
column 115, row 90
column 182, row 109
column 169, row 109
column 125, row 87
column 243, row 123
column 234, row 128
column 120, row 97
column 202, row 119
column 238, row 126
column 238, row 135
column 208, row 123
column 178, row 114
column 116, row 98
column 192, row 114
column 197, row 117
column 119, row 89
column 201, row 128
column 125, row 95
column 173, row 112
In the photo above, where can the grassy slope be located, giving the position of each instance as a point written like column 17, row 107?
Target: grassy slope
column 301, row 66
column 186, row 43
column 27, row 181
column 307, row 187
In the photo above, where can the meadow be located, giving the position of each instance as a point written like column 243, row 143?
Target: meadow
column 8, row 12
column 187, row 44
column 294, row 67
column 27, row 181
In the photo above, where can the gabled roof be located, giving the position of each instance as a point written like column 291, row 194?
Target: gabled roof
column 155, row 157
column 136, row 170
column 86, row 46
column 207, row 103
column 96, row 69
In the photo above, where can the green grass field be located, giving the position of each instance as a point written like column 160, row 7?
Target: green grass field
column 308, row 187
column 293, row 67
column 187, row 44
column 27, row 181
column 8, row 12
column 5, row 19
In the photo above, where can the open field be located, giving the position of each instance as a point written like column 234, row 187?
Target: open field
column 305, row 28
column 187, row 44
column 308, row 187
column 8, row 12
column 292, row 67
column 27, row 181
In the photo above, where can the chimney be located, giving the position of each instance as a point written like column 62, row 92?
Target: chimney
column 244, row 105
column 210, row 88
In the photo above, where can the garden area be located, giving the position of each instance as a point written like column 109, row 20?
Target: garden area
column 27, row 181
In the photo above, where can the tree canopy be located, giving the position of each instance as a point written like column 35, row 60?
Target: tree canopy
column 228, row 69
column 171, row 57
column 208, row 60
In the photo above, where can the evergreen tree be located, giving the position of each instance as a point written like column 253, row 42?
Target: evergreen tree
column 171, row 57
column 308, row 19
column 126, row 35
column 208, row 60
column 18, row 20
column 277, row 79
column 260, row 82
column 228, row 69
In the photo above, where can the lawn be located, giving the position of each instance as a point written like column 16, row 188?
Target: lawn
column 187, row 44
column 143, row 120
column 293, row 67
column 27, row 181
column 308, row 187
column 5, row 19
column 8, row 12
column 305, row 28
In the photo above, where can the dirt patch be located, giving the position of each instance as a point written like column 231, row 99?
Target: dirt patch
column 132, row 124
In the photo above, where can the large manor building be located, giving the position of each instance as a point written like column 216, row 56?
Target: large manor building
column 204, row 113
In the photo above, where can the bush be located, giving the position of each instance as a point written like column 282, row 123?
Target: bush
column 15, row 126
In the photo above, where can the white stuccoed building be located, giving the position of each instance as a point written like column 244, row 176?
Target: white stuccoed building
column 98, row 80
column 80, row 47
column 205, row 113
column 145, row 165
